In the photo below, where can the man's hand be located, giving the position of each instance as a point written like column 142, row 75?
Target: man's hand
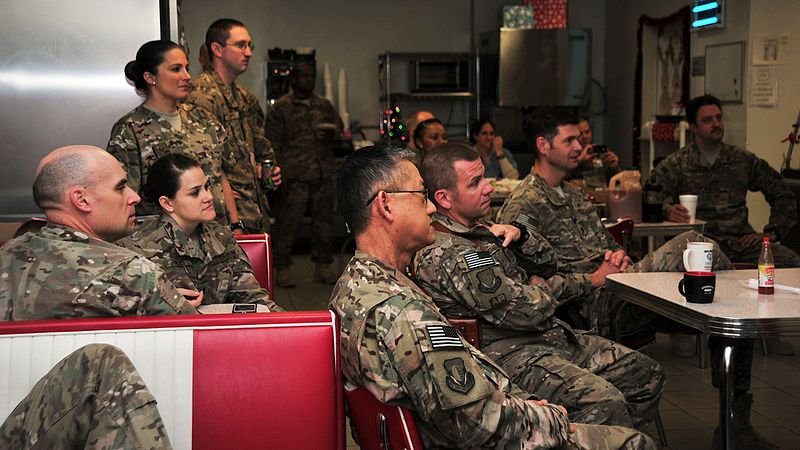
column 586, row 154
column 677, row 213
column 753, row 238
column 276, row 176
column 619, row 259
column 599, row 276
column 194, row 298
column 538, row 281
column 612, row 160
column 508, row 233
column 497, row 145
column 559, row 407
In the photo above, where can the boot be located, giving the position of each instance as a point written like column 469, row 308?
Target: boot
column 744, row 435
column 282, row 277
column 324, row 274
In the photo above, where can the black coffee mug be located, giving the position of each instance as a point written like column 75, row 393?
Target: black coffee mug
column 698, row 287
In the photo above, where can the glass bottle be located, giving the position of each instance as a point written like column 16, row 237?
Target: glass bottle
column 766, row 269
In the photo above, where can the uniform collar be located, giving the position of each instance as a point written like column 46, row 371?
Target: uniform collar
column 209, row 244
column 457, row 228
column 696, row 158
column 64, row 233
column 393, row 272
column 553, row 196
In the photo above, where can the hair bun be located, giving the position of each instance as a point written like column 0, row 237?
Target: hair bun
column 130, row 70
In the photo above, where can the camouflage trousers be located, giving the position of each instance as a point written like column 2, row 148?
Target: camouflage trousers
column 597, row 380
column 315, row 196
column 784, row 256
column 93, row 398
column 600, row 437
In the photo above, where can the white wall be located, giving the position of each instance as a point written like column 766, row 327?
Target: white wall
column 345, row 34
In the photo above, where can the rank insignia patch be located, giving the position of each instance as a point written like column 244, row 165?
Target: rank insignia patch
column 475, row 260
column 443, row 337
column 458, row 379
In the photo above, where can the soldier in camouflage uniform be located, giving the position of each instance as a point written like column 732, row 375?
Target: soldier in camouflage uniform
column 397, row 345
column 720, row 175
column 295, row 126
column 216, row 91
column 93, row 398
column 69, row 268
column 560, row 214
column 160, row 125
column 471, row 273
column 195, row 252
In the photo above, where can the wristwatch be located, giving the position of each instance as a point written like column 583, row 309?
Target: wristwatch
column 237, row 226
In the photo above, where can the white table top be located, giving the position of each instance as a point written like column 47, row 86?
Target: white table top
column 737, row 311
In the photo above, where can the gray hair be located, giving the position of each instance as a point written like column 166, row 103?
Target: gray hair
column 57, row 176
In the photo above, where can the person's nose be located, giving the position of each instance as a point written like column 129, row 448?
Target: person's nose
column 488, row 188
column 248, row 51
column 133, row 198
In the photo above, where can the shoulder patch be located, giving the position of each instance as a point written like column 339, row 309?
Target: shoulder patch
column 526, row 220
column 443, row 337
column 476, row 260
column 459, row 379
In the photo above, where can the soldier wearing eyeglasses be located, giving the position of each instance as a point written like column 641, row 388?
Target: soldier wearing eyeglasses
column 229, row 50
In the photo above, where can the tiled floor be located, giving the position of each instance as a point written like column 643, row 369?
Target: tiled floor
column 689, row 404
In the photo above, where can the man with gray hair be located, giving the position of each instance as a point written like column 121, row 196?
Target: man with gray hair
column 396, row 344
column 69, row 268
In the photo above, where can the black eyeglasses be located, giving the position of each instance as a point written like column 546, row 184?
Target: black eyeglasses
column 241, row 45
column 424, row 193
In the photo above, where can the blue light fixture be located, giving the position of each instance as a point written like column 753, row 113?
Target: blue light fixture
column 707, row 14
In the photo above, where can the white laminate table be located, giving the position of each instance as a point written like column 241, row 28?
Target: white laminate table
column 737, row 312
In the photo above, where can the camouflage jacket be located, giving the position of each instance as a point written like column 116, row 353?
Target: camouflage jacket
column 568, row 222
column 142, row 136
column 301, row 148
column 219, row 267
column 255, row 117
column 722, row 191
column 469, row 273
column 61, row 272
column 228, row 104
column 397, row 345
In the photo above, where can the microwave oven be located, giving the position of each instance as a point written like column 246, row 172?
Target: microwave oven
column 439, row 75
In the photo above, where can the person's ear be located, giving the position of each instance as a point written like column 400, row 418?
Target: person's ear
column 216, row 49
column 149, row 78
column 543, row 145
column 78, row 197
column 384, row 207
column 166, row 204
column 444, row 198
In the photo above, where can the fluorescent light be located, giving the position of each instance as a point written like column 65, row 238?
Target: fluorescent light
column 27, row 80
column 704, row 22
column 706, row 7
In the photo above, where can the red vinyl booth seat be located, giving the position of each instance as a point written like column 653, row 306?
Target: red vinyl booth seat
column 259, row 250
column 380, row 426
column 268, row 380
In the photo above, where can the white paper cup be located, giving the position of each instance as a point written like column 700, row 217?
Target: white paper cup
column 689, row 202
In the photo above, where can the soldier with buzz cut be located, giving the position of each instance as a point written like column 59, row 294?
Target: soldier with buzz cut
column 397, row 345
column 93, row 398
column 471, row 271
column 230, row 49
column 69, row 268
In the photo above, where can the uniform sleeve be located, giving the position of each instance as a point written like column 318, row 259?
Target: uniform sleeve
column 451, row 391
column 244, row 287
column 667, row 175
column 151, row 288
column 204, row 98
column 477, row 280
column 124, row 145
column 782, row 202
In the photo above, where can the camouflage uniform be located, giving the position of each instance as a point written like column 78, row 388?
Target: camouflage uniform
column 392, row 344
column 93, row 398
column 307, row 165
column 722, row 198
column 572, row 229
column 218, row 267
column 61, row 272
column 470, row 274
column 142, row 136
column 228, row 104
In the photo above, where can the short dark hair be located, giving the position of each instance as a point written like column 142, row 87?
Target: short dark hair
column 436, row 166
column 422, row 126
column 149, row 56
column 475, row 128
column 545, row 124
column 164, row 176
column 219, row 32
column 57, row 176
column 694, row 105
column 363, row 172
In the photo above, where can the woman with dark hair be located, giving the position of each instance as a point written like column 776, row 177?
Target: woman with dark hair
column 428, row 134
column 162, row 125
column 497, row 160
column 197, row 254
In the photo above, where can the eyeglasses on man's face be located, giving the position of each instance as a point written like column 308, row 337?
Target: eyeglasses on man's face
column 424, row 193
column 241, row 45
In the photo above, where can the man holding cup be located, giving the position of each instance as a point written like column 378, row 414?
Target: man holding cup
column 718, row 176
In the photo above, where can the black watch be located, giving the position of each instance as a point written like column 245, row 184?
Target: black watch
column 523, row 230
column 237, row 226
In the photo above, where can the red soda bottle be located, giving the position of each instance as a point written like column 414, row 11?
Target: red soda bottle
column 766, row 269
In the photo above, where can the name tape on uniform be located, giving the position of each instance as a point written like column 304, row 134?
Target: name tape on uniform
column 443, row 337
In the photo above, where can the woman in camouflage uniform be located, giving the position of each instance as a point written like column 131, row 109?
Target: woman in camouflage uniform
column 197, row 254
column 161, row 125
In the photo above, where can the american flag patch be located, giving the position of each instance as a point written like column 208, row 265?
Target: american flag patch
column 478, row 259
column 443, row 337
column 525, row 219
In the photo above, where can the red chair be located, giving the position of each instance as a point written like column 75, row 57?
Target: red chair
column 379, row 426
column 259, row 250
column 622, row 231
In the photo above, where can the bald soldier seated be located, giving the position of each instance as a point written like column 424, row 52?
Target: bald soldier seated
column 69, row 268
column 397, row 345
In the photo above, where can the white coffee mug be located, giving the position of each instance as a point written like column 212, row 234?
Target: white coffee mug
column 699, row 256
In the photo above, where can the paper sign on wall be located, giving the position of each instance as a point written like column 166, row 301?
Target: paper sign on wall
column 763, row 87
column 770, row 49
